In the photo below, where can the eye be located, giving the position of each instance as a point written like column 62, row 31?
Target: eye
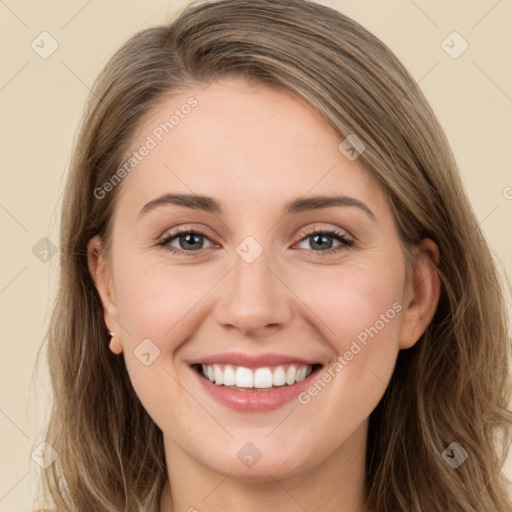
column 186, row 238
column 189, row 240
column 320, row 239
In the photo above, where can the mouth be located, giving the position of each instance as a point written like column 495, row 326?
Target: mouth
column 261, row 379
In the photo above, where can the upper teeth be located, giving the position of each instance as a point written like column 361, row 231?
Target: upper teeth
column 263, row 377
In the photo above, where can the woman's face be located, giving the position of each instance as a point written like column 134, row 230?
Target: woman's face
column 253, row 290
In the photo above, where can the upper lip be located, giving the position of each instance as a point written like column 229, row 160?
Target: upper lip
column 252, row 360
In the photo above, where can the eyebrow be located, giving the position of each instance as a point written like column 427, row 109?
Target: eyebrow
column 210, row 205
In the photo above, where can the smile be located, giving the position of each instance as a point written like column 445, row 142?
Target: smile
column 263, row 378
column 257, row 389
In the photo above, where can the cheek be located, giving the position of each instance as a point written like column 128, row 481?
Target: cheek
column 156, row 306
column 360, row 310
column 359, row 300
column 153, row 298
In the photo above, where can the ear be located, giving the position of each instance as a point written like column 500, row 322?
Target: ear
column 421, row 293
column 103, row 280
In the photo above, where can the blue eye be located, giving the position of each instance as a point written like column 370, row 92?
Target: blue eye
column 190, row 241
column 320, row 238
column 187, row 239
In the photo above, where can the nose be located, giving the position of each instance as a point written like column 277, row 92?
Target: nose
column 254, row 298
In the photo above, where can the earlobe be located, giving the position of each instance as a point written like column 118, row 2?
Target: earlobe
column 421, row 295
column 115, row 344
column 102, row 279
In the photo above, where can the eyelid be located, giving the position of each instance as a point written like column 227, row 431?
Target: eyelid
column 203, row 231
column 174, row 233
column 347, row 241
column 322, row 229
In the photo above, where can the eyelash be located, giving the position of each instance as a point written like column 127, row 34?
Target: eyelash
column 346, row 243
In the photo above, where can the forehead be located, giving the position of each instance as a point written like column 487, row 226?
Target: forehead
column 248, row 144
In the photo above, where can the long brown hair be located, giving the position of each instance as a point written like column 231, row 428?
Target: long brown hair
column 453, row 385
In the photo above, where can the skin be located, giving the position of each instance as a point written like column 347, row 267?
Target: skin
column 253, row 149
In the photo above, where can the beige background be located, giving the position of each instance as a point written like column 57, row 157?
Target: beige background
column 40, row 106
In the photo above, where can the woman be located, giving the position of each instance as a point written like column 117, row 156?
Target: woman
column 274, row 290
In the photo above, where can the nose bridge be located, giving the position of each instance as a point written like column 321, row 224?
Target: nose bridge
column 253, row 298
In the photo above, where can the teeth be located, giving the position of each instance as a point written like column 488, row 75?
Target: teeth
column 229, row 376
column 218, row 374
column 263, row 378
column 260, row 378
column 301, row 374
column 291, row 373
column 244, row 377
column 279, row 377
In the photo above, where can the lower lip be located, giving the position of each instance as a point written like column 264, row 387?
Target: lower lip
column 254, row 400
